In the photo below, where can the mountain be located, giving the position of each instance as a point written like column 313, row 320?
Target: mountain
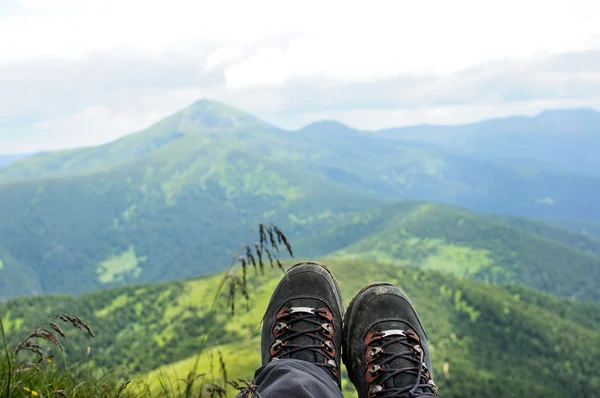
column 165, row 203
column 499, row 249
column 5, row 160
column 172, row 217
column 474, row 330
column 591, row 228
column 366, row 162
column 203, row 123
column 561, row 140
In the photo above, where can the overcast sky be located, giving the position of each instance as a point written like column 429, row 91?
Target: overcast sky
column 82, row 72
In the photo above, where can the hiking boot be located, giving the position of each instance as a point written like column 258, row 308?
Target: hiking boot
column 385, row 346
column 304, row 319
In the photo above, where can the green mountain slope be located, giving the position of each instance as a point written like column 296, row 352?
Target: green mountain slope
column 369, row 162
column 492, row 248
column 164, row 203
column 204, row 118
column 475, row 329
column 590, row 228
column 171, row 218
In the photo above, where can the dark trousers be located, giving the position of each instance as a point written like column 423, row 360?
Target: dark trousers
column 292, row 378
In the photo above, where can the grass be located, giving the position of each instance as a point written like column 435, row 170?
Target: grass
column 474, row 329
column 26, row 377
column 116, row 267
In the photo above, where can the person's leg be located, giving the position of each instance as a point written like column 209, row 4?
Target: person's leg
column 385, row 346
column 293, row 378
column 302, row 337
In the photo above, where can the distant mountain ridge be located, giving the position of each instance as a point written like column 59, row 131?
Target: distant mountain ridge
column 6, row 159
column 565, row 139
column 165, row 202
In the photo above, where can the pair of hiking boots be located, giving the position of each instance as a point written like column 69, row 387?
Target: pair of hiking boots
column 381, row 341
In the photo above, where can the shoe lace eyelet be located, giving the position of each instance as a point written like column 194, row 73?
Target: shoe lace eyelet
column 374, row 352
column 432, row 384
column 375, row 390
column 280, row 327
column 374, row 370
column 278, row 344
column 327, row 328
column 332, row 363
column 328, row 344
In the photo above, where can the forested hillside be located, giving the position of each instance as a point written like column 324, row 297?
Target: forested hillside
column 166, row 202
column 474, row 329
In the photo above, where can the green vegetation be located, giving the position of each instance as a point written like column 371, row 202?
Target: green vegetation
column 115, row 268
column 17, row 374
column 591, row 228
column 179, row 192
column 471, row 245
column 139, row 241
column 474, row 328
column 167, row 202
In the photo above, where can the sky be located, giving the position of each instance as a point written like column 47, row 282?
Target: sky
column 83, row 72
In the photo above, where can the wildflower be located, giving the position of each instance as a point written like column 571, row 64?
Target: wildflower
column 34, row 394
column 26, row 389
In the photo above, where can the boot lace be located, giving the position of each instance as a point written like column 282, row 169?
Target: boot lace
column 378, row 374
column 286, row 335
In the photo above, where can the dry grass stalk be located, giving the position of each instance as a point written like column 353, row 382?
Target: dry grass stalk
column 29, row 344
column 215, row 390
column 27, row 366
column 223, row 367
column 245, row 387
column 122, row 388
column 47, row 335
column 270, row 238
column 58, row 330
column 76, row 322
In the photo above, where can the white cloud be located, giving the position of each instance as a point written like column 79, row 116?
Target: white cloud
column 222, row 56
column 87, row 71
column 392, row 38
column 93, row 126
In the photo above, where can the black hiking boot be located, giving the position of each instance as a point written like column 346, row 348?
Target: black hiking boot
column 385, row 346
column 304, row 319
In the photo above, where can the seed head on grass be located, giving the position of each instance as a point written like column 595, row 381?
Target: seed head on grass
column 215, row 390
column 58, row 330
column 259, row 254
column 262, row 234
column 31, row 342
column 47, row 335
column 27, row 366
column 31, row 346
column 76, row 322
column 270, row 238
column 281, row 238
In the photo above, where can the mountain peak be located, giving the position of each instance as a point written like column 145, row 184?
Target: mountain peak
column 327, row 127
column 213, row 116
